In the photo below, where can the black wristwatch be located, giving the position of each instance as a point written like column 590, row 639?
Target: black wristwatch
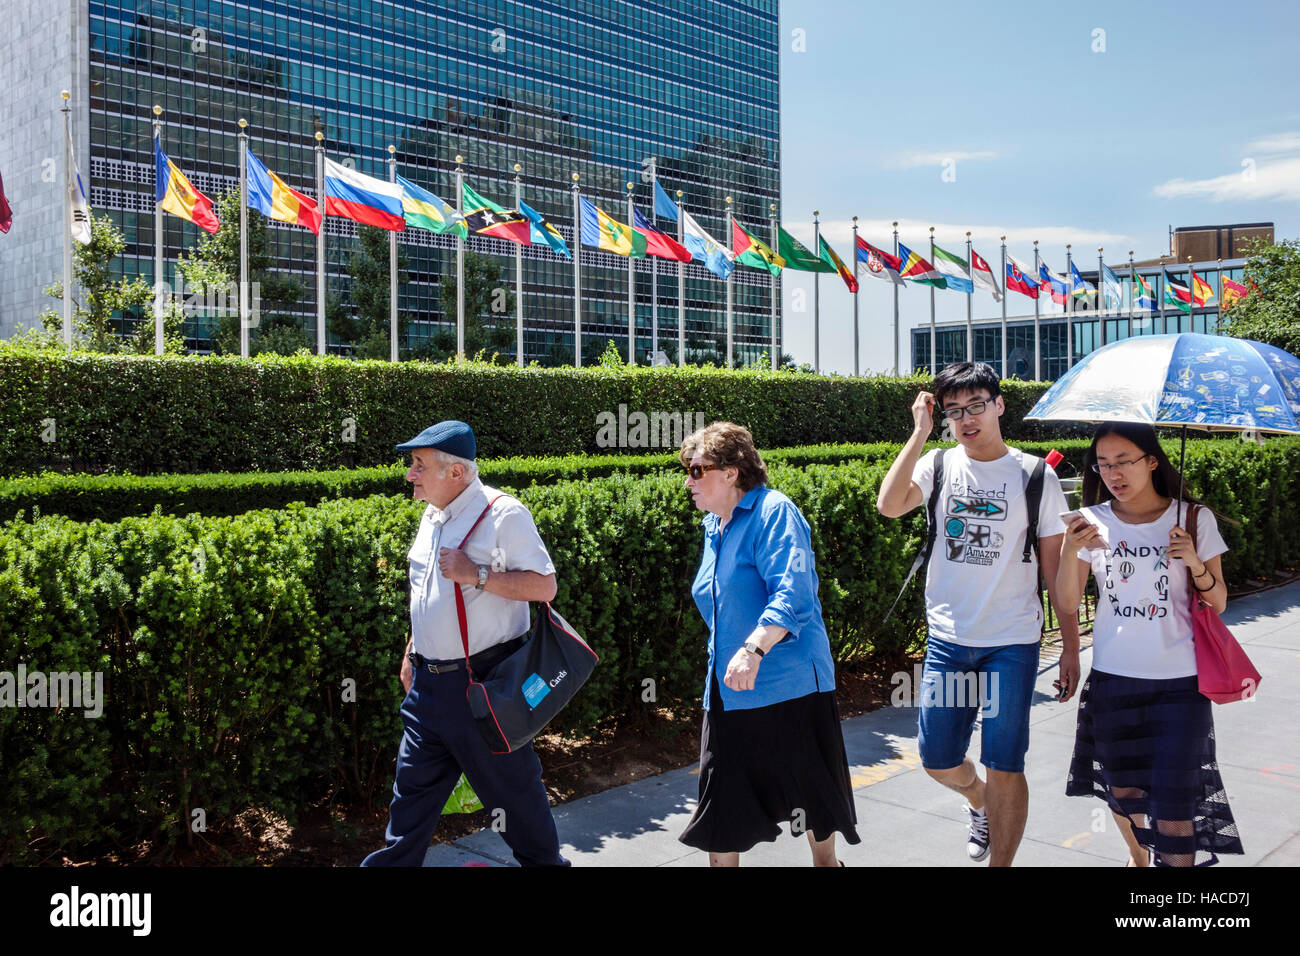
column 753, row 648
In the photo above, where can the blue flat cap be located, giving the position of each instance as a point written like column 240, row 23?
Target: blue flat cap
column 455, row 438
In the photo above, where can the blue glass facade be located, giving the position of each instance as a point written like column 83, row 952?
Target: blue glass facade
column 558, row 86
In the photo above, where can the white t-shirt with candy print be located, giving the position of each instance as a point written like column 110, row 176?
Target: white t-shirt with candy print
column 1143, row 625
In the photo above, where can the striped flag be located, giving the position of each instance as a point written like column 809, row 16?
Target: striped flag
column 716, row 257
column 954, row 269
column 542, row 233
column 1111, row 288
column 364, row 199
column 880, row 264
column 485, row 217
column 1020, row 278
column 1144, row 297
column 423, row 210
column 752, row 252
column 1201, row 290
column 828, row 255
column 603, row 231
column 916, row 269
column 177, row 195
column 268, row 194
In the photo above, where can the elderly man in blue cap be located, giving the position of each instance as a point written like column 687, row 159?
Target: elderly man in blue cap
column 503, row 566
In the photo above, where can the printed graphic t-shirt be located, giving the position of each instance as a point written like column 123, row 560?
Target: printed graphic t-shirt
column 979, row 592
column 1143, row 625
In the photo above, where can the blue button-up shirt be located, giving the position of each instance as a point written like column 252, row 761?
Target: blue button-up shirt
column 760, row 570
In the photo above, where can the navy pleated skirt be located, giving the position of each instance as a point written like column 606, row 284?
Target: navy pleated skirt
column 760, row 768
column 1146, row 747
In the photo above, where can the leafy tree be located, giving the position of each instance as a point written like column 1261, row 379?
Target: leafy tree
column 487, row 297
column 369, row 297
column 1271, row 312
column 102, row 295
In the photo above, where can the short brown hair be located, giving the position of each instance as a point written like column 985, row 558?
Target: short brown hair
column 730, row 446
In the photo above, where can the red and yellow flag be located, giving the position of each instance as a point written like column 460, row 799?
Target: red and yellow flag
column 178, row 196
column 1233, row 292
column 1201, row 291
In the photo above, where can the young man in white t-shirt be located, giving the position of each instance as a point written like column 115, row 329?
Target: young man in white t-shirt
column 982, row 601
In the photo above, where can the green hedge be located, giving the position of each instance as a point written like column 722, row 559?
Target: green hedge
column 227, row 643
column 112, row 497
column 146, row 415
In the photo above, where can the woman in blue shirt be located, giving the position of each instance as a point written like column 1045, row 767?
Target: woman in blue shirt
column 771, row 749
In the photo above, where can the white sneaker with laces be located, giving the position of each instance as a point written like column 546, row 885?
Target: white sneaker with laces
column 977, row 845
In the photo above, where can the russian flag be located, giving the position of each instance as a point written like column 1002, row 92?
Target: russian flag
column 365, row 199
column 1019, row 278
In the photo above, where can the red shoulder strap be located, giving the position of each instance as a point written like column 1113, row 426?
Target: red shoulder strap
column 460, row 598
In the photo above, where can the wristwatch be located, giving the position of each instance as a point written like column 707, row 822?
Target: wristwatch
column 482, row 577
column 753, row 648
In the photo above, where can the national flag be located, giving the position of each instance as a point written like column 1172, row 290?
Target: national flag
column 603, row 231
column 177, row 196
column 983, row 275
column 1176, row 294
column 488, row 219
column 716, row 257
column 1144, row 297
column 361, row 198
column 1233, row 292
column 1054, row 285
column 1201, row 290
column 880, row 264
column 1111, row 289
column 955, row 271
column 797, row 256
column 752, row 252
column 828, row 255
column 80, row 223
column 916, row 269
column 541, row 232
column 6, row 214
column 268, row 194
column 1081, row 288
column 658, row 243
column 1019, row 278
column 664, row 206
column 423, row 210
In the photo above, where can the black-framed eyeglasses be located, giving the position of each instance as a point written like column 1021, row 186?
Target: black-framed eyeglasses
column 1103, row 468
column 697, row 471
column 974, row 408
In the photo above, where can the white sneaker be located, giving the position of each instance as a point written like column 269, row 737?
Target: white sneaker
column 977, row 842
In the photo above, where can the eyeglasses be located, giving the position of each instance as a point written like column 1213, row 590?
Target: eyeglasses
column 697, row 471
column 974, row 408
column 1102, row 469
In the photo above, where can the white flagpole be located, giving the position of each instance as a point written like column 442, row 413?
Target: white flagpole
column 896, row 285
column 69, row 184
column 1218, row 300
column 1038, row 348
column 577, row 277
column 392, row 266
column 1005, row 375
column 519, row 275
column 243, row 238
column 856, row 333
column 1164, row 292
column 631, row 286
column 934, row 351
column 159, row 280
column 654, row 273
column 817, row 297
column 970, row 305
column 681, row 291
column 1132, row 292
column 1101, row 298
column 776, row 291
column 460, row 261
column 321, row 337
column 731, row 278
column 1069, row 310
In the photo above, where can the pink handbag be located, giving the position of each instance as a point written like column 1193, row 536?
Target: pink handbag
column 1223, row 671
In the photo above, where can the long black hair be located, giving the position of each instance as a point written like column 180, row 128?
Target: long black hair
column 1165, row 478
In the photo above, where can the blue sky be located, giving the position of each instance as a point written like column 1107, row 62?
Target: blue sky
column 1048, row 139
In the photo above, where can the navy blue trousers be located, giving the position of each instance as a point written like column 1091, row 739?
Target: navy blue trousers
column 438, row 744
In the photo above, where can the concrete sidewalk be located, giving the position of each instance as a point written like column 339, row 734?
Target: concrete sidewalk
column 906, row 819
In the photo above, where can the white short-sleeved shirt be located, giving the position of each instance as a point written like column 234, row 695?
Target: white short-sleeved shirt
column 979, row 592
column 505, row 540
column 1143, row 625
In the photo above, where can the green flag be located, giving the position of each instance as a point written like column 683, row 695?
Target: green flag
column 799, row 257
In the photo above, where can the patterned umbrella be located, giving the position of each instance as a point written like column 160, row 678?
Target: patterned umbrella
column 1186, row 380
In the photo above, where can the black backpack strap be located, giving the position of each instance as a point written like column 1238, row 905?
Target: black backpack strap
column 932, row 528
column 1033, row 499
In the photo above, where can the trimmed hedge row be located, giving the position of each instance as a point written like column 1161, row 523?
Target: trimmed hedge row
column 112, row 497
column 252, row 660
column 147, row 415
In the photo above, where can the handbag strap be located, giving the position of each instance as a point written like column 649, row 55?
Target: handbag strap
column 460, row 598
column 1192, row 510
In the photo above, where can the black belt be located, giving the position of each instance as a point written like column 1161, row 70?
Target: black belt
column 479, row 662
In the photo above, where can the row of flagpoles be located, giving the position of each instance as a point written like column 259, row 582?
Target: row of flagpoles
column 397, row 203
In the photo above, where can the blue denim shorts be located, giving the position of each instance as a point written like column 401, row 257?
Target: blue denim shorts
column 959, row 681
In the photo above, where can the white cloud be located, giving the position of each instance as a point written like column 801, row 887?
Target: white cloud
column 1258, row 179
column 1275, row 144
column 987, row 239
column 913, row 158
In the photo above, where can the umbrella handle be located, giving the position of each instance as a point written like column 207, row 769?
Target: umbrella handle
column 1182, row 458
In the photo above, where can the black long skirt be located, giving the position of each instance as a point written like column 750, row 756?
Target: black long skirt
column 1153, row 741
column 759, row 768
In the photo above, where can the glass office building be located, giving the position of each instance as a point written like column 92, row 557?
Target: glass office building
column 1091, row 328
column 557, row 86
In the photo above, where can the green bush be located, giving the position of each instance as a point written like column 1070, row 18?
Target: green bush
column 147, row 415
